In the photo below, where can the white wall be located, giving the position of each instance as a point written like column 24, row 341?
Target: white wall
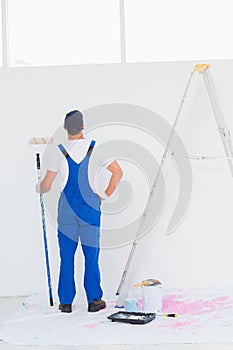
column 33, row 103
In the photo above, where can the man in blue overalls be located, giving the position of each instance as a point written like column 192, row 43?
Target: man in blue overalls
column 79, row 214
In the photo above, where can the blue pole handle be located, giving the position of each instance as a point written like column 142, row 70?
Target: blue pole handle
column 44, row 234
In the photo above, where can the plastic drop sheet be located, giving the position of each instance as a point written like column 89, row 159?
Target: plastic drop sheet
column 204, row 316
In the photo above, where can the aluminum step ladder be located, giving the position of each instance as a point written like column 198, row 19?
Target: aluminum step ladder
column 204, row 69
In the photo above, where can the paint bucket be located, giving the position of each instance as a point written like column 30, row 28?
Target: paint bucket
column 131, row 305
column 152, row 298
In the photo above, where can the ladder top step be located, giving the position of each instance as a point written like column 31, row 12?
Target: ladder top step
column 201, row 67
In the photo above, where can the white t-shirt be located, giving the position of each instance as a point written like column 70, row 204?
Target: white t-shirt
column 98, row 174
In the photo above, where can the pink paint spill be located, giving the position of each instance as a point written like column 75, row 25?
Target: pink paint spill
column 140, row 304
column 178, row 304
column 176, row 325
column 90, row 326
column 47, row 312
column 29, row 306
column 110, row 305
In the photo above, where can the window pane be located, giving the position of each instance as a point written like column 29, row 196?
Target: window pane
column 161, row 30
column 50, row 32
column 0, row 36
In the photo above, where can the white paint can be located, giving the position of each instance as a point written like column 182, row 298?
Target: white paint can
column 152, row 298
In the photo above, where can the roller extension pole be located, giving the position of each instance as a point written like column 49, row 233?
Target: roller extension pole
column 44, row 232
column 123, row 288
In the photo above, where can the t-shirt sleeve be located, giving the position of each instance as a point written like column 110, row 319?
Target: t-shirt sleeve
column 98, row 174
column 100, row 160
column 52, row 159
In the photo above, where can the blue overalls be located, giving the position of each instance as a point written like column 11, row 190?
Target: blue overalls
column 78, row 218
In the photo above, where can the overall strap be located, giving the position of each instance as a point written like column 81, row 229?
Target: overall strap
column 90, row 149
column 63, row 150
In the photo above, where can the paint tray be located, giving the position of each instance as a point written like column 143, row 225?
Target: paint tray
column 132, row 317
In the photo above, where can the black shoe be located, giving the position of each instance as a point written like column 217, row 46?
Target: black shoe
column 65, row 307
column 96, row 305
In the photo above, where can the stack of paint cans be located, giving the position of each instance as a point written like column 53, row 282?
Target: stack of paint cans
column 151, row 300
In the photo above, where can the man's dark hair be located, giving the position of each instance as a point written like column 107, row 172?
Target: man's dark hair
column 74, row 122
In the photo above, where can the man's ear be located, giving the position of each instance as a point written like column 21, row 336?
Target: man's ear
column 64, row 127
